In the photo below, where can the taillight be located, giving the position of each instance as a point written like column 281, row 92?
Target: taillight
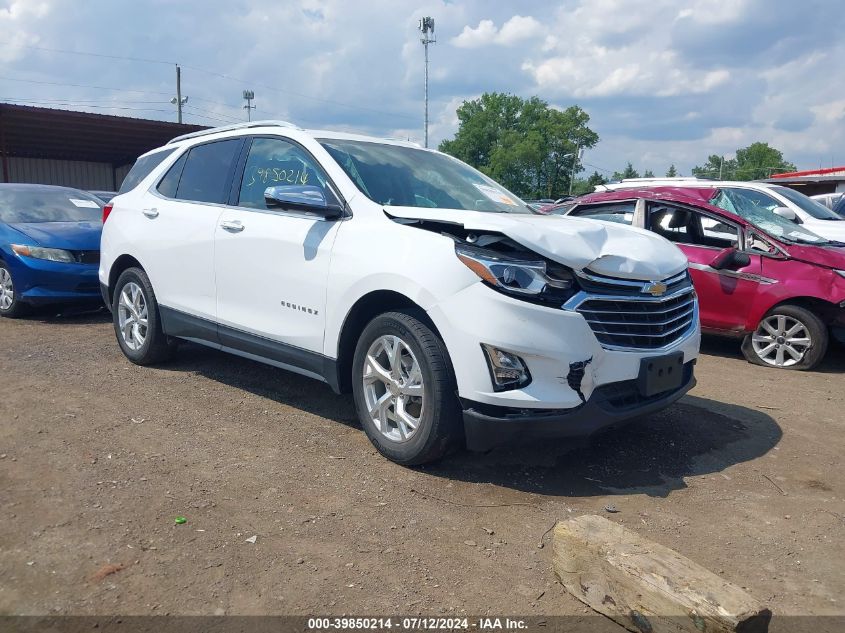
column 106, row 211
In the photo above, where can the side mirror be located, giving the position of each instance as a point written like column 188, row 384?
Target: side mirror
column 305, row 198
column 730, row 259
column 786, row 213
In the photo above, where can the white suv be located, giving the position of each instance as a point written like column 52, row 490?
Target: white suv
column 747, row 198
column 452, row 312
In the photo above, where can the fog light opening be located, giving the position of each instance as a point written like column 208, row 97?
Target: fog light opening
column 507, row 370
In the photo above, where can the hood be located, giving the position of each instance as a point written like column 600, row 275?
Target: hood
column 827, row 256
column 73, row 236
column 609, row 249
column 828, row 229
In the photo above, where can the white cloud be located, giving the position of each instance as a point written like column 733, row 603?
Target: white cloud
column 15, row 22
column 516, row 29
column 662, row 81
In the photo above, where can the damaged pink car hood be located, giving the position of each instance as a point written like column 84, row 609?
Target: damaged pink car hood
column 615, row 250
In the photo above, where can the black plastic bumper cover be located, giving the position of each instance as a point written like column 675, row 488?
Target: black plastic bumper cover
column 486, row 427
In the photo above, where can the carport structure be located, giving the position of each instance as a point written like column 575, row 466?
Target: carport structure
column 76, row 149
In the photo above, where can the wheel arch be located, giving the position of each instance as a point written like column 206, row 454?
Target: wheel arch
column 120, row 264
column 364, row 310
column 825, row 310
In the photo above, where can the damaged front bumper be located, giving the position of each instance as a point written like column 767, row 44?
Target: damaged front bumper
column 487, row 426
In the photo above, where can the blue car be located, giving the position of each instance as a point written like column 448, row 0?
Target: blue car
column 49, row 247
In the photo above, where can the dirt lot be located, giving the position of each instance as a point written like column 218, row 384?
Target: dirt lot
column 97, row 458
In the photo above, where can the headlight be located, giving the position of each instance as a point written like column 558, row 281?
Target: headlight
column 37, row 252
column 524, row 277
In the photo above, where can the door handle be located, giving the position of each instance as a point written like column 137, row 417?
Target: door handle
column 233, row 226
column 150, row 213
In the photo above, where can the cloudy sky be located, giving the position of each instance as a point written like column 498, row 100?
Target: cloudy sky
column 664, row 81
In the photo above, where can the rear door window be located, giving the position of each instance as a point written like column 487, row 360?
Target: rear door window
column 142, row 168
column 685, row 226
column 207, row 173
column 619, row 212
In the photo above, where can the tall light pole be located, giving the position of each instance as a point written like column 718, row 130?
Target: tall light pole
column 427, row 30
column 575, row 158
column 179, row 100
column 249, row 95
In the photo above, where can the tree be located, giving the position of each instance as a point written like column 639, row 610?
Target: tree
column 648, row 174
column 582, row 186
column 628, row 172
column 758, row 160
column 672, row 172
column 524, row 144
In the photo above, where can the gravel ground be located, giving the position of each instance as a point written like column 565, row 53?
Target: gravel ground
column 97, row 458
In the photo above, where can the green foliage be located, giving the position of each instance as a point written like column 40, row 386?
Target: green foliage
column 672, row 172
column 648, row 174
column 521, row 143
column 628, row 172
column 758, row 160
column 588, row 185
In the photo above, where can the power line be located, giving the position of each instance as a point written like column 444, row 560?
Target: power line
column 607, row 171
column 78, row 101
column 216, row 116
column 150, row 92
column 87, row 54
column 297, row 94
column 222, row 76
column 56, row 83
column 75, row 104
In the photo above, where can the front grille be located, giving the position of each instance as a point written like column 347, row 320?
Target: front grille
column 622, row 316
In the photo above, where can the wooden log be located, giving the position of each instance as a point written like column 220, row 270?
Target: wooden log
column 646, row 587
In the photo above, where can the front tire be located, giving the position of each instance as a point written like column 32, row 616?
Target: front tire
column 10, row 303
column 788, row 337
column 137, row 323
column 404, row 389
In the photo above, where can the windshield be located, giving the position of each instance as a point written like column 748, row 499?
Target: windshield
column 395, row 175
column 764, row 219
column 812, row 207
column 48, row 204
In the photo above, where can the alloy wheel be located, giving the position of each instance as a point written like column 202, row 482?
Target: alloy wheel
column 394, row 389
column 781, row 341
column 7, row 290
column 132, row 316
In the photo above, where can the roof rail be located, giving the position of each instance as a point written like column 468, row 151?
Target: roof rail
column 236, row 126
column 653, row 178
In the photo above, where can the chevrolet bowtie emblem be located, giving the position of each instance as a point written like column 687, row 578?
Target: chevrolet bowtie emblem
column 655, row 288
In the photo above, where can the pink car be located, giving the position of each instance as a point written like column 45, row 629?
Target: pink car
column 759, row 277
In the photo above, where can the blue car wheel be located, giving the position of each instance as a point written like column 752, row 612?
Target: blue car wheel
column 10, row 305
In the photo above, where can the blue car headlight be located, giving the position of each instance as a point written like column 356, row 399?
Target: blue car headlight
column 38, row 252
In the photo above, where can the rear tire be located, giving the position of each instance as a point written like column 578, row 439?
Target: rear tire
column 404, row 389
column 137, row 322
column 10, row 304
column 788, row 337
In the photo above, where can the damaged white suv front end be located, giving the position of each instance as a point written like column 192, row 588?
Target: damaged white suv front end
column 570, row 327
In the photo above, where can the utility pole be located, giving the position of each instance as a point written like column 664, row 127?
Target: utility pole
column 249, row 95
column 721, row 164
column 427, row 29
column 178, row 101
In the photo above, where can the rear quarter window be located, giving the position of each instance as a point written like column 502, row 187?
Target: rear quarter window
column 142, row 168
